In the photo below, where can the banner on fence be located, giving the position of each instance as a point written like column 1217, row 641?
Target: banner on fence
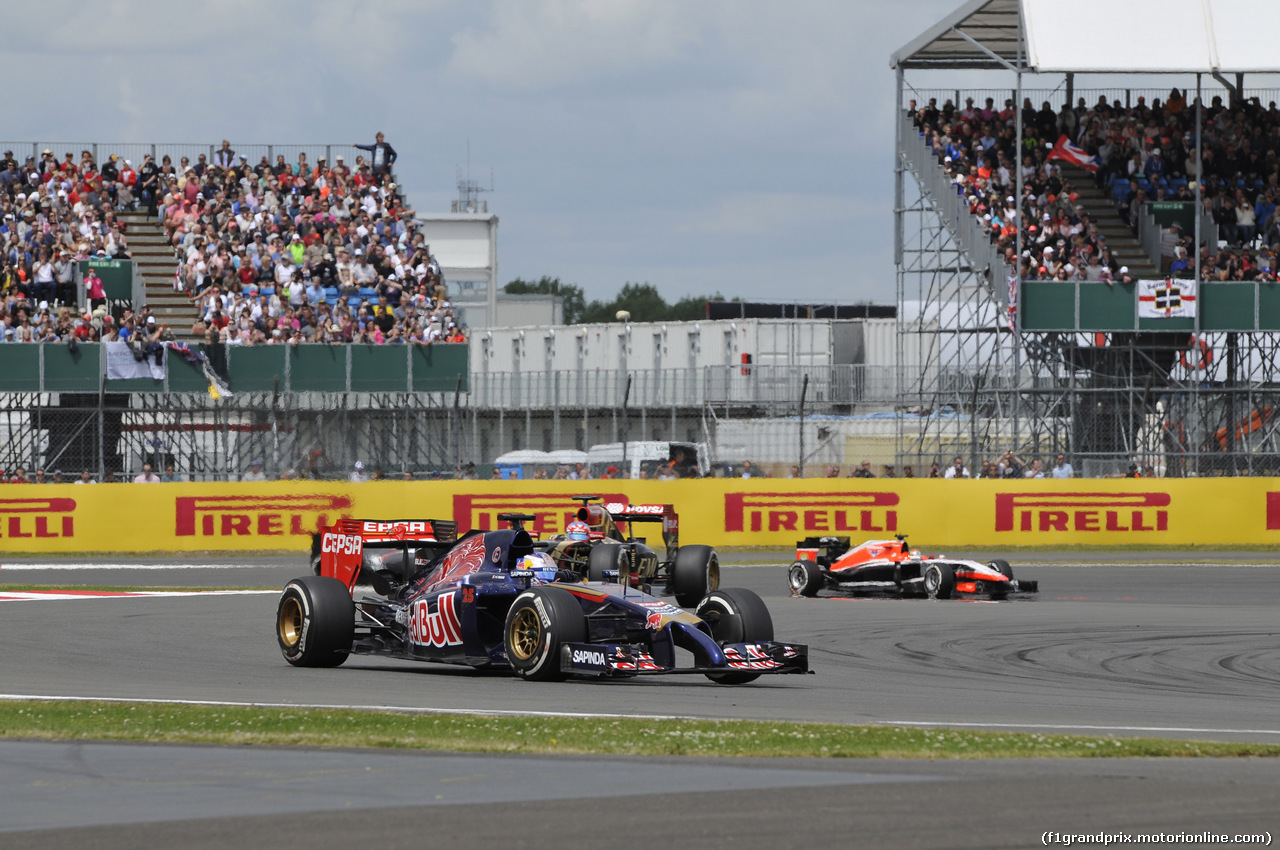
column 121, row 363
column 280, row 516
column 1167, row 299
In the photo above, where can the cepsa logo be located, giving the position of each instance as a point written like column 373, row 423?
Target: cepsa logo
column 810, row 512
column 37, row 518
column 342, row 544
column 1082, row 512
column 551, row 511
column 272, row 516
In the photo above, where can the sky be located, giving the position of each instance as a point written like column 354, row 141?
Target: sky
column 734, row 146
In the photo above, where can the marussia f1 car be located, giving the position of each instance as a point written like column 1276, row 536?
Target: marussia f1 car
column 490, row 600
column 601, row 539
column 890, row 566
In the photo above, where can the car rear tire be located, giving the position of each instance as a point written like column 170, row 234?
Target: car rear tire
column 539, row 623
column 736, row 615
column 315, row 622
column 608, row 557
column 939, row 581
column 805, row 578
column 694, row 574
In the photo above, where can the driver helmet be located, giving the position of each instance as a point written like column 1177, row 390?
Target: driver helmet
column 577, row 530
column 540, row 564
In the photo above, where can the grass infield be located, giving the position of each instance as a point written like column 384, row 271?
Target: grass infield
column 276, row 727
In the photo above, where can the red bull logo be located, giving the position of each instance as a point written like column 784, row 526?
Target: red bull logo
column 1043, row 512
column 242, row 516
column 551, row 511
column 818, row 512
column 438, row 628
column 37, row 518
column 654, row 621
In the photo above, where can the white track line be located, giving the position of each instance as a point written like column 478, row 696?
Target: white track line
column 489, row 712
column 396, row 709
column 67, row 593
column 1071, row 727
column 90, row 566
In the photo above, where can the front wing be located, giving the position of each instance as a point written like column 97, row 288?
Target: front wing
column 620, row 659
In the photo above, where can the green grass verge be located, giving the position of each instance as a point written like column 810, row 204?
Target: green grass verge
column 226, row 725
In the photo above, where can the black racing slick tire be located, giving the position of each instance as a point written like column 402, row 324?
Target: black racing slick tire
column 539, row 622
column 805, row 578
column 736, row 615
column 939, row 581
column 315, row 622
column 608, row 556
column 694, row 574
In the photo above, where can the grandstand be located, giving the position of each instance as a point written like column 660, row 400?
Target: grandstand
column 1030, row 223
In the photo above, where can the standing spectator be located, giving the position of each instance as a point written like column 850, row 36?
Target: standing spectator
column 149, row 185
column 146, row 476
column 169, row 476
column 381, row 155
column 255, row 472
column 64, row 271
column 1169, row 240
column 749, row 470
column 94, row 290
column 1034, row 471
column 908, row 471
column 224, row 157
column 934, row 472
column 1062, row 469
column 888, row 467
column 863, row 471
column 957, row 469
column 357, row 473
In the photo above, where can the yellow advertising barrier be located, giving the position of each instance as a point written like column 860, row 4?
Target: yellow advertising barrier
column 722, row 512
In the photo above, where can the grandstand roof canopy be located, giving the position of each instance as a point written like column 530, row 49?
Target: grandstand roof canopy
column 1102, row 36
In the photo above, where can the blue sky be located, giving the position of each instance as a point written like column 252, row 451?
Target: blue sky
column 737, row 146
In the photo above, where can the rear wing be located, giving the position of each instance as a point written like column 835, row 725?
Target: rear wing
column 339, row 549
column 665, row 514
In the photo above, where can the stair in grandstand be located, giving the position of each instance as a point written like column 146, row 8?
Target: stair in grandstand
column 155, row 260
column 1124, row 246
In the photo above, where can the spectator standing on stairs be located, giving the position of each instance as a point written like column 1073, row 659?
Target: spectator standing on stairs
column 381, row 155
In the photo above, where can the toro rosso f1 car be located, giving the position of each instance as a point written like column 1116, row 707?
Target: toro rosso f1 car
column 601, row 539
column 411, row 590
column 891, row 566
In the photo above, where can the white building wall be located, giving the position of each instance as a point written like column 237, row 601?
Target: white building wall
column 679, row 345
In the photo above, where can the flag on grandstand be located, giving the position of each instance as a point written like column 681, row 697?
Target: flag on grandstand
column 1065, row 150
column 217, row 387
column 1166, row 299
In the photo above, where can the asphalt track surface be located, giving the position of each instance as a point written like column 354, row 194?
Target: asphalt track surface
column 1114, row 644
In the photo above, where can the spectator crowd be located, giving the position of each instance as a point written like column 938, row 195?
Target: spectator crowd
column 1143, row 153
column 268, row 253
column 53, row 214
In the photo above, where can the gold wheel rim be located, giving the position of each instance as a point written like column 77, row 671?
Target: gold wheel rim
column 524, row 635
column 289, row 622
